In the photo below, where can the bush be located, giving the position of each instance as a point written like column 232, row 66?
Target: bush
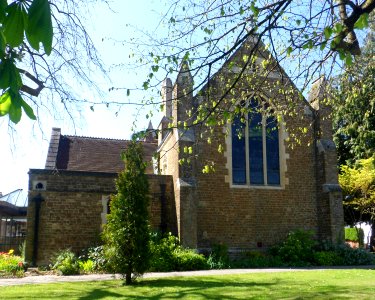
column 328, row 258
column 188, row 260
column 256, row 259
column 348, row 255
column 96, row 255
column 218, row 258
column 162, row 252
column 66, row 263
column 296, row 250
column 167, row 255
column 87, row 266
column 11, row 265
column 354, row 234
column 354, row 257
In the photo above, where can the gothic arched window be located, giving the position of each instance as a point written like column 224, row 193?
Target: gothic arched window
column 255, row 148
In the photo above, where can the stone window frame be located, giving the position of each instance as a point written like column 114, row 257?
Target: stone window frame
column 283, row 155
column 105, row 202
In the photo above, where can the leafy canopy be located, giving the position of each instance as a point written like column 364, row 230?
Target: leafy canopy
column 354, row 104
column 24, row 24
column 358, row 185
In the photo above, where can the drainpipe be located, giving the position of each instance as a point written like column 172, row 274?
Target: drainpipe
column 38, row 201
column 163, row 210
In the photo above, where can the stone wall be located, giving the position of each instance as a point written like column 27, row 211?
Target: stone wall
column 250, row 217
column 70, row 213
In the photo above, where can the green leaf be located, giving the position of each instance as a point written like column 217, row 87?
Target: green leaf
column 10, row 76
column 254, row 9
column 15, row 78
column 289, row 50
column 308, row 45
column 342, row 55
column 322, row 46
column 14, row 24
column 15, row 111
column 338, row 28
column 241, row 10
column 27, row 109
column 362, row 22
column 3, row 6
column 327, row 32
column 39, row 28
column 348, row 59
column 4, row 75
column 5, row 103
column 2, row 42
column 222, row 11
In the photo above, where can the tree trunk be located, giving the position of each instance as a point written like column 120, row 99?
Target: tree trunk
column 128, row 277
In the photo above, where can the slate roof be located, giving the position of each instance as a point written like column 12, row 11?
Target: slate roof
column 89, row 154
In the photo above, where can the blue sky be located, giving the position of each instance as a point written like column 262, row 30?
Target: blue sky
column 25, row 145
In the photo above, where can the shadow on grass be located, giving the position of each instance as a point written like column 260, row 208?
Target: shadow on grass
column 211, row 289
column 181, row 289
column 101, row 294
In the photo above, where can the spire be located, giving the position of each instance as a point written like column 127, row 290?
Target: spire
column 150, row 127
column 166, row 94
column 150, row 135
column 184, row 75
column 183, row 94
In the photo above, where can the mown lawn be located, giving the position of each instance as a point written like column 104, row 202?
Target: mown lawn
column 326, row 284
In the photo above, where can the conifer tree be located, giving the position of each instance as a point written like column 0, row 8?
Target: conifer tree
column 126, row 233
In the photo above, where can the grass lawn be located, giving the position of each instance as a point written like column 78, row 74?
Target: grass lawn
column 327, row 284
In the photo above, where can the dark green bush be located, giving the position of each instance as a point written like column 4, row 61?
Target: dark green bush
column 354, row 234
column 296, row 249
column 354, row 257
column 66, row 262
column 349, row 256
column 328, row 258
column 256, row 259
column 219, row 257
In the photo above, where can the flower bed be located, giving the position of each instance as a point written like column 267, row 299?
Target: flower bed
column 11, row 265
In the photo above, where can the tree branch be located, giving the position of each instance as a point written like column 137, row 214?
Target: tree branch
column 33, row 92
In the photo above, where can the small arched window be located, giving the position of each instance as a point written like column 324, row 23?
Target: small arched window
column 255, row 148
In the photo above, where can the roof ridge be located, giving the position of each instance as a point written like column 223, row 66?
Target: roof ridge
column 102, row 138
column 94, row 138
